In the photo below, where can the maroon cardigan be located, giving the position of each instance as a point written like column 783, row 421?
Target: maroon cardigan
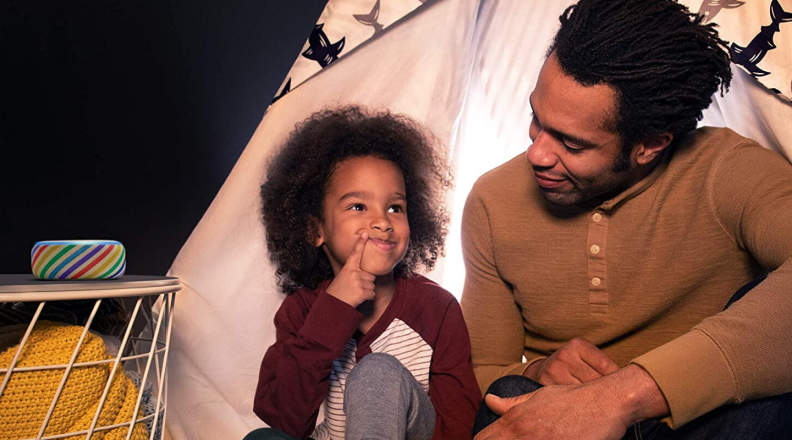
column 313, row 328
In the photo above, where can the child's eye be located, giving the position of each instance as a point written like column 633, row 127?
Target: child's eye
column 396, row 208
column 357, row 207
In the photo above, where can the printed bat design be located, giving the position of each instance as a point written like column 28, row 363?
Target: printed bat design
column 320, row 49
column 752, row 54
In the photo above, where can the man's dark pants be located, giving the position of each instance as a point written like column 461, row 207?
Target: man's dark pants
column 768, row 418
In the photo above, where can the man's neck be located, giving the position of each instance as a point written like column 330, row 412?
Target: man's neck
column 636, row 175
column 642, row 171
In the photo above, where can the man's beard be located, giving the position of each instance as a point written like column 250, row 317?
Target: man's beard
column 619, row 171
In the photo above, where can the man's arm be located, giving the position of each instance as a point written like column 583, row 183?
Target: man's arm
column 744, row 352
column 493, row 318
column 600, row 409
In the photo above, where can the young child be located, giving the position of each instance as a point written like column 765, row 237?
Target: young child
column 352, row 207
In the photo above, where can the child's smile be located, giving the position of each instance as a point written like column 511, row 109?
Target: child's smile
column 385, row 245
column 366, row 194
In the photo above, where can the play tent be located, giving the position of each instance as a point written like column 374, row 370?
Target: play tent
column 465, row 68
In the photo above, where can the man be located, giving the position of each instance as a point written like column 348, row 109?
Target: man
column 606, row 255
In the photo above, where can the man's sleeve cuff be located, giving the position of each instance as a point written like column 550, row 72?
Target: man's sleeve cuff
column 692, row 373
column 331, row 322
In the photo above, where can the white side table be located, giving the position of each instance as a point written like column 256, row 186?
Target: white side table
column 146, row 353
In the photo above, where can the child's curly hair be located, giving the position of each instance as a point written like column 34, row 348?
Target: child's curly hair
column 298, row 175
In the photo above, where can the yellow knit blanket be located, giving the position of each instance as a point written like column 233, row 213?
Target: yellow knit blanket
column 29, row 394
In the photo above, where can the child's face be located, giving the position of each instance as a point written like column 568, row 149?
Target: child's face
column 366, row 194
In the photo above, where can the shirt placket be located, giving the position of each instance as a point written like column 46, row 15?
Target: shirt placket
column 597, row 263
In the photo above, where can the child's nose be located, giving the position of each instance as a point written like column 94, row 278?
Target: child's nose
column 381, row 224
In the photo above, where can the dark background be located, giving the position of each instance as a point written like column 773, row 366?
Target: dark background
column 122, row 118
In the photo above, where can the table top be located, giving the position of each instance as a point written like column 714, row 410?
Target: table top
column 26, row 287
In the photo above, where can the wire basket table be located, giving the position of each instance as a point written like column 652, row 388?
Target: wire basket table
column 143, row 350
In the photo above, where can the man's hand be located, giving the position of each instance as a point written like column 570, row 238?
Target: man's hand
column 578, row 361
column 556, row 412
column 600, row 409
column 352, row 284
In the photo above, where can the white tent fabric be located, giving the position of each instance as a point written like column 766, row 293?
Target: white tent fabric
column 463, row 67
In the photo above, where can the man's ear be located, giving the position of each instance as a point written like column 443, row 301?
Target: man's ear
column 651, row 147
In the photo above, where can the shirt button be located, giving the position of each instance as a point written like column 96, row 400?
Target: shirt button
column 596, row 217
column 595, row 249
column 596, row 281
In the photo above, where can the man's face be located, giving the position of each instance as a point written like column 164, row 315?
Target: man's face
column 575, row 152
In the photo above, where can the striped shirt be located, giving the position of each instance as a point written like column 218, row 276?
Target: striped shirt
column 398, row 340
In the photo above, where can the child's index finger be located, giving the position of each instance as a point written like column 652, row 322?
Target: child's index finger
column 357, row 252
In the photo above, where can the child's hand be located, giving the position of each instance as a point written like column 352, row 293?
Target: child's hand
column 352, row 284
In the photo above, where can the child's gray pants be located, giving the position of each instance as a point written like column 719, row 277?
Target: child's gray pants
column 384, row 401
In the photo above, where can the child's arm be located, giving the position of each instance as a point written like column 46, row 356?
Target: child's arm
column 452, row 385
column 294, row 374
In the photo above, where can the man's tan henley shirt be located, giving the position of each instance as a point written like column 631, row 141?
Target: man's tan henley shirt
column 644, row 276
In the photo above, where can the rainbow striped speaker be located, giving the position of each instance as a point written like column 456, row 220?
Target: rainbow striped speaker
column 78, row 259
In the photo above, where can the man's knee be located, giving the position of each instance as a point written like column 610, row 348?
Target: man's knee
column 507, row 386
column 511, row 386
